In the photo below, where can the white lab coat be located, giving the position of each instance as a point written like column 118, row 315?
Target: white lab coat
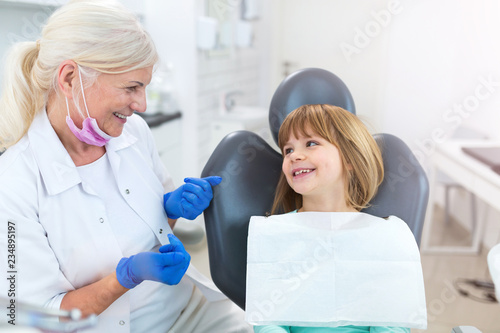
column 63, row 239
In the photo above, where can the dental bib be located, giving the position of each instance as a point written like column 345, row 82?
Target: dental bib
column 320, row 269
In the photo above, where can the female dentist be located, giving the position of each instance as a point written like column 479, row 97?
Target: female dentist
column 82, row 186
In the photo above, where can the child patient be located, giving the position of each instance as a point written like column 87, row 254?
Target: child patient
column 331, row 163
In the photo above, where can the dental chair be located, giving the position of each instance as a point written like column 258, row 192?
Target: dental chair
column 250, row 171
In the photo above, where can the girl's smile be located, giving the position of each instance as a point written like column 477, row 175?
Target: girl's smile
column 301, row 172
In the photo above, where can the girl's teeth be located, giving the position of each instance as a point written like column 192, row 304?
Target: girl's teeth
column 301, row 171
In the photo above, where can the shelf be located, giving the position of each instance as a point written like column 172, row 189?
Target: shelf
column 157, row 119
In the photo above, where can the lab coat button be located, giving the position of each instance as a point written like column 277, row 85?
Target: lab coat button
column 122, row 322
column 161, row 231
column 101, row 220
column 127, row 191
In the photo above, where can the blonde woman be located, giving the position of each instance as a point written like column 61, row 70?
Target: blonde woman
column 331, row 163
column 83, row 188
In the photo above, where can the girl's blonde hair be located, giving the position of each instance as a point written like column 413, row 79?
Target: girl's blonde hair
column 361, row 157
column 101, row 36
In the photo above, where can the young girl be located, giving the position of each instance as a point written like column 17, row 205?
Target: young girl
column 331, row 163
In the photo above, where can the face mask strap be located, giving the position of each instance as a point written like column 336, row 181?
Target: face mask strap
column 83, row 92
column 67, row 105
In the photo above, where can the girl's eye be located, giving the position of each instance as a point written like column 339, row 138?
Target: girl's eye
column 311, row 143
column 288, row 151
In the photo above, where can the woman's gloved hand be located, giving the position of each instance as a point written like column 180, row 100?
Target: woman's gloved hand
column 191, row 199
column 168, row 266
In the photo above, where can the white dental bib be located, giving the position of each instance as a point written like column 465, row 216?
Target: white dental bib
column 333, row 269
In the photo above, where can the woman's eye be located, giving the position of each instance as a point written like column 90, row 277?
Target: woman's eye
column 132, row 89
column 311, row 143
column 288, row 151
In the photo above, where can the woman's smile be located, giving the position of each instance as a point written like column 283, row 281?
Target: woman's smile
column 122, row 118
column 119, row 115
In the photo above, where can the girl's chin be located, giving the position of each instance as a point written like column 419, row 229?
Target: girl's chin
column 301, row 191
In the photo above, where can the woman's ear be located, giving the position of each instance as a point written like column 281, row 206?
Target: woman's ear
column 66, row 74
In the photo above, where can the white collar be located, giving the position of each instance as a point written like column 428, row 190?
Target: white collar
column 57, row 169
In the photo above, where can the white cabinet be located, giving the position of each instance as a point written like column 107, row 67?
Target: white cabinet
column 168, row 139
column 169, row 144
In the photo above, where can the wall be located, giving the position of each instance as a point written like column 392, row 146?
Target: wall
column 443, row 72
column 440, row 53
column 200, row 77
column 172, row 26
column 238, row 69
column 331, row 35
column 20, row 23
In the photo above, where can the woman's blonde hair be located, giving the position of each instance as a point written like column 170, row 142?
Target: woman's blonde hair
column 101, row 36
column 361, row 157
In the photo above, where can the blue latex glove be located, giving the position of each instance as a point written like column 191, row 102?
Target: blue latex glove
column 167, row 267
column 191, row 199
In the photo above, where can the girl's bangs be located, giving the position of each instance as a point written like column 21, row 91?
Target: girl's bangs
column 295, row 126
column 307, row 120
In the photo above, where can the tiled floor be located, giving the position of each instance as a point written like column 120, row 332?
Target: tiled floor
column 446, row 308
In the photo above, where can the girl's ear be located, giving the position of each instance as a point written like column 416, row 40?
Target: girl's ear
column 66, row 74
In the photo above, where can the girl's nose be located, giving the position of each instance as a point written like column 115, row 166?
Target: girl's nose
column 297, row 156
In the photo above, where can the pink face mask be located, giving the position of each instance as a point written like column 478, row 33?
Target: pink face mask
column 90, row 133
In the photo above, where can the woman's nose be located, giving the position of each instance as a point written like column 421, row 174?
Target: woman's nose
column 139, row 104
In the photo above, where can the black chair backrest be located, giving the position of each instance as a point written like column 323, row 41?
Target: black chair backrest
column 307, row 86
column 247, row 188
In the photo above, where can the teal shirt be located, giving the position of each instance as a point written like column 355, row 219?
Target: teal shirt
column 342, row 329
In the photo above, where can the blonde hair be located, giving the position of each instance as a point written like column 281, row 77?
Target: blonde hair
column 361, row 157
column 101, row 36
